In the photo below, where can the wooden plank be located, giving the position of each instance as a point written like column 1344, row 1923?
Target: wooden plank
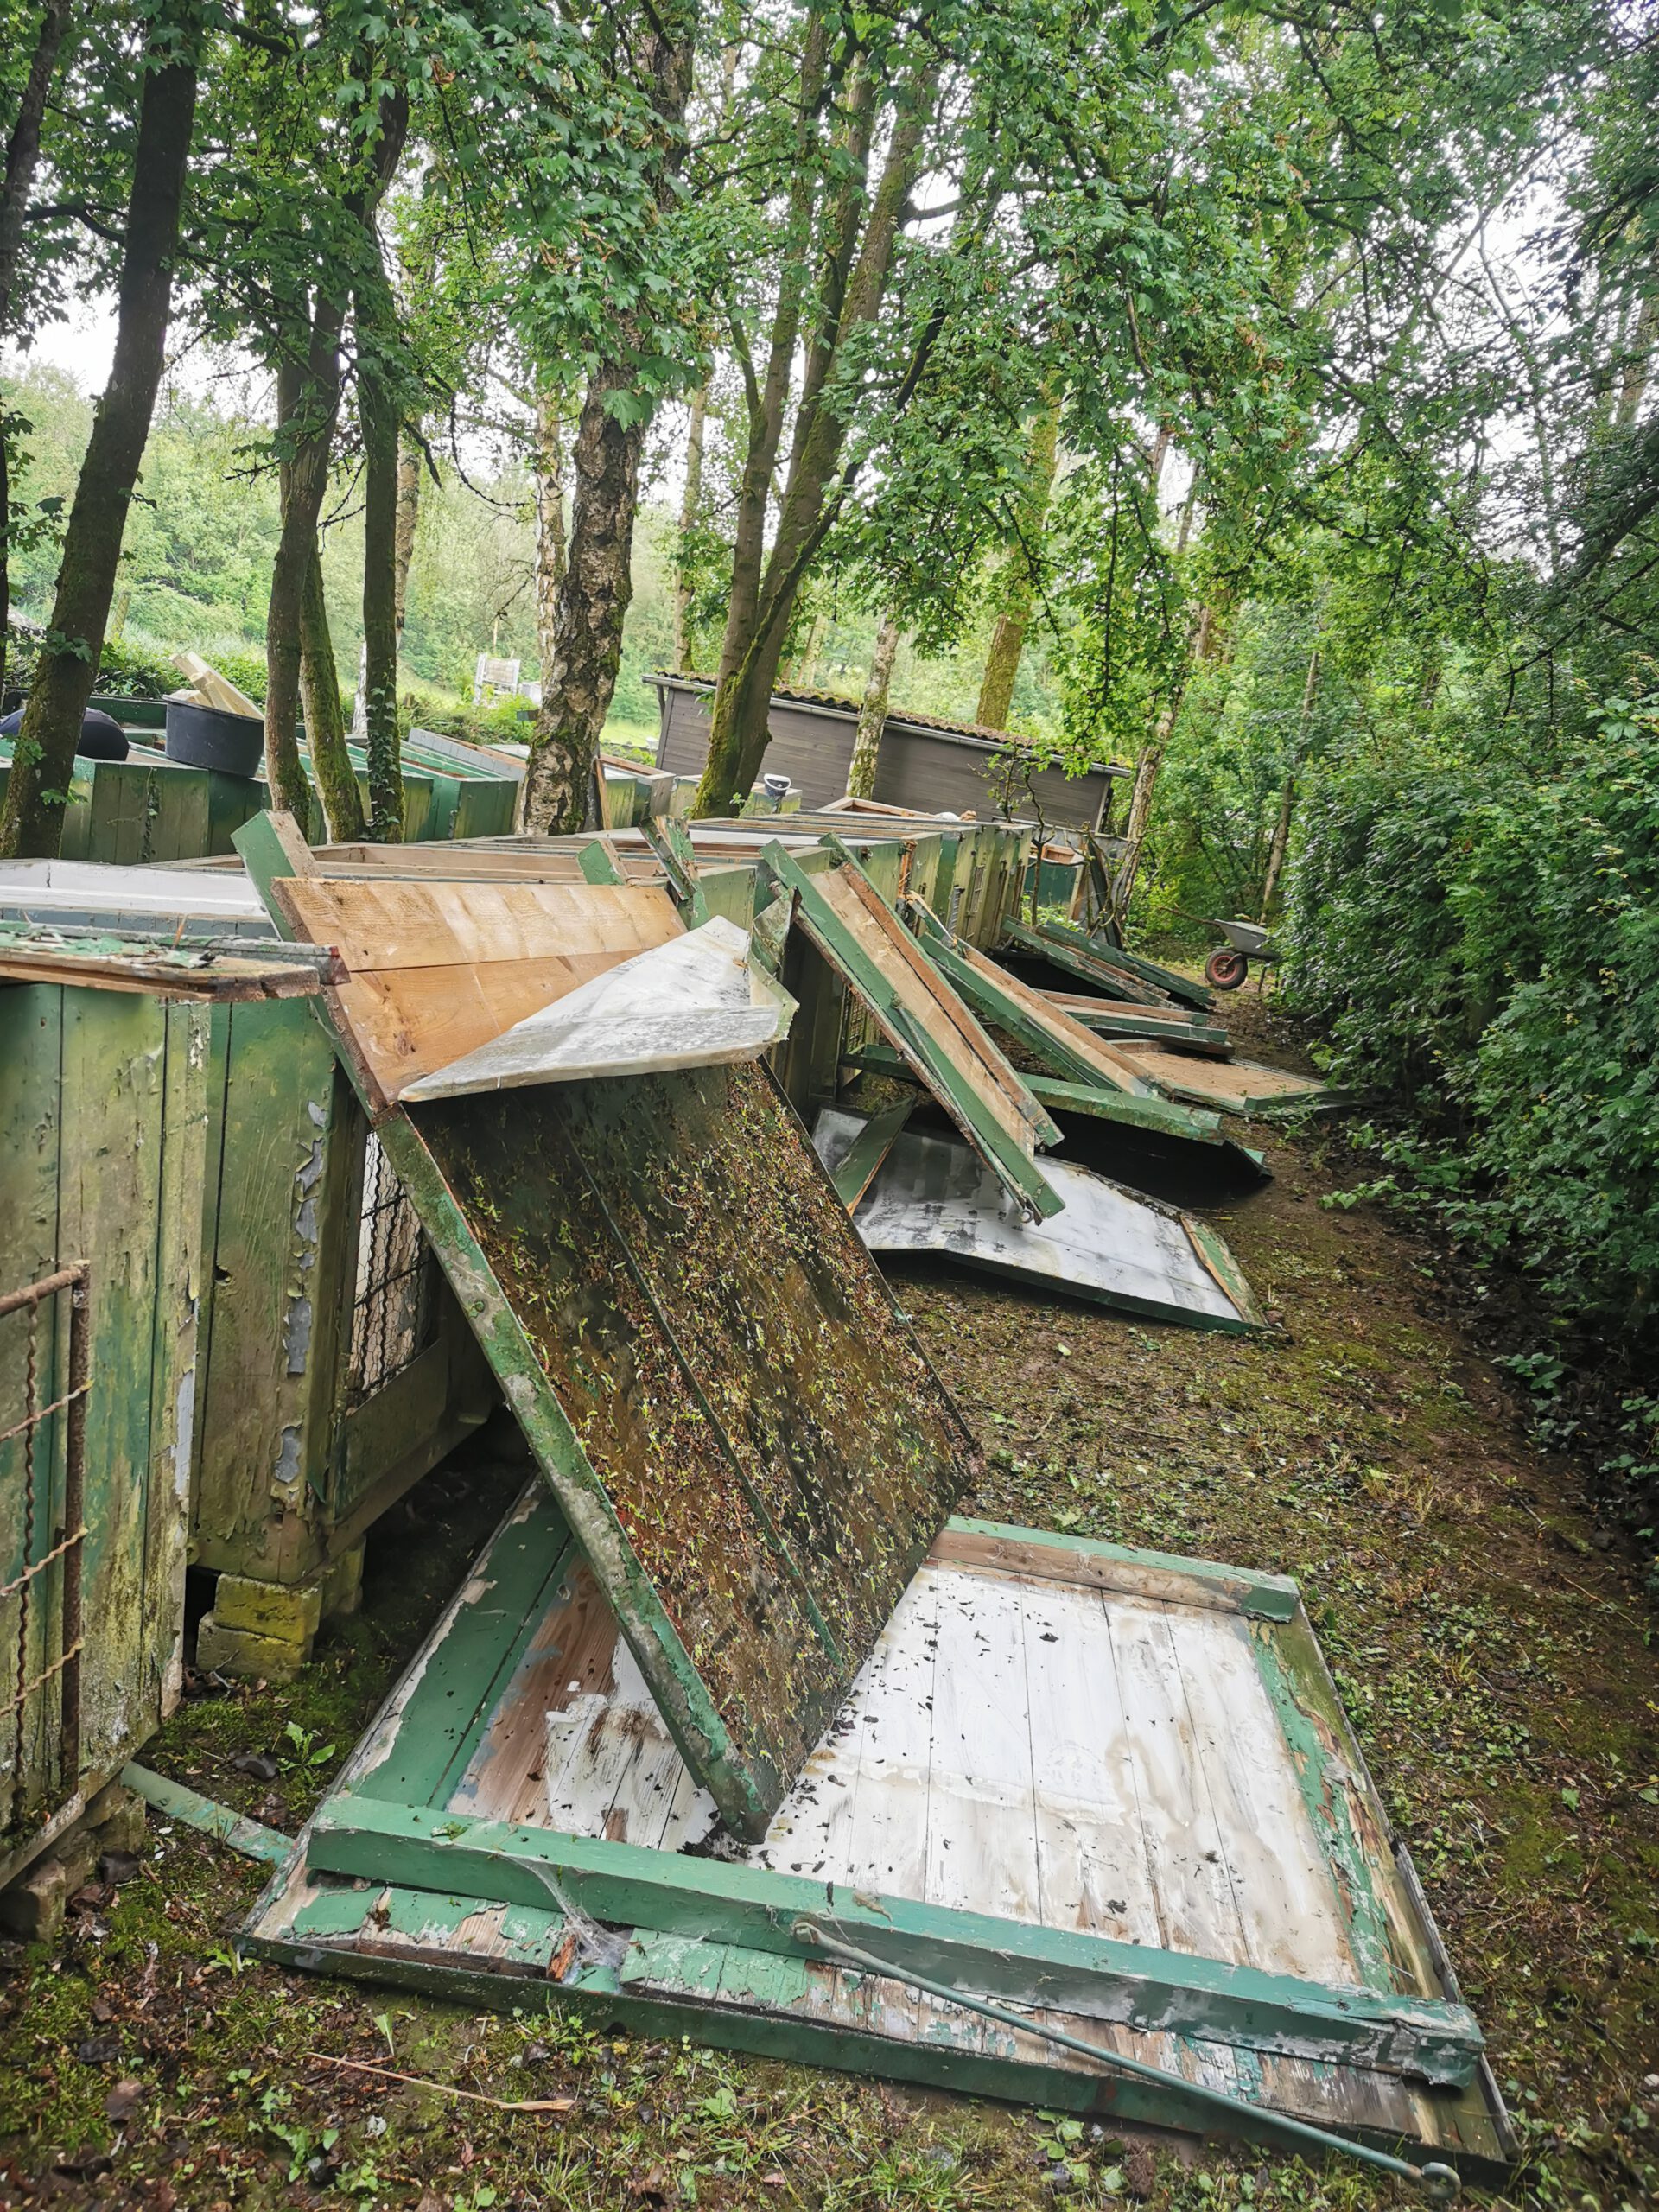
column 1238, row 1087
column 1092, row 1867
column 180, row 1164
column 855, row 929
column 1063, row 1045
column 1169, row 983
column 1149, row 1110
column 380, row 925
column 982, row 1823
column 727, row 1901
column 695, row 1001
column 1281, row 1878
column 437, row 972
column 1122, row 1018
column 114, row 1060
column 1197, row 1908
column 31, row 1111
column 862, row 1162
column 1088, row 959
column 881, row 1834
column 1093, row 1565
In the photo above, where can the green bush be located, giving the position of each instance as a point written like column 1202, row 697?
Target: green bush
column 1480, row 945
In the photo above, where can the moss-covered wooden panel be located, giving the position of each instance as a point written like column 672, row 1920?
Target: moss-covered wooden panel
column 773, row 1447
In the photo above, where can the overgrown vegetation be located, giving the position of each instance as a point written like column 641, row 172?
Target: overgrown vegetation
column 1483, row 1637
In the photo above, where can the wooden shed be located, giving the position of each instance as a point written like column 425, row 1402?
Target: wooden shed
column 928, row 766
column 105, row 1110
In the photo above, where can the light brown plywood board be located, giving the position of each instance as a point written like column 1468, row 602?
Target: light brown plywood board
column 437, row 970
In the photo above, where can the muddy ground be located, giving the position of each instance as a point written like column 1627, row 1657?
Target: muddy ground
column 1484, row 1627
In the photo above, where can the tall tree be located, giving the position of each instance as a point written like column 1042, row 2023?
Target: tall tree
column 1017, row 580
column 37, row 791
column 872, row 713
column 597, row 581
column 22, row 158
column 311, row 437
column 849, row 202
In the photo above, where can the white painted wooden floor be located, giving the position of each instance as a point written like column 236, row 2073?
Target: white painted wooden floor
column 1040, row 1750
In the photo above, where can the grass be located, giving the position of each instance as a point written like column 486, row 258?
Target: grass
column 1485, row 1632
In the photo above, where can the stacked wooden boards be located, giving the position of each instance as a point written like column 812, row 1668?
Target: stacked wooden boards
column 735, row 1420
column 1112, row 1790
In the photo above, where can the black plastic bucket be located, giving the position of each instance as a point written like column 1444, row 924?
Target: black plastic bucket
column 206, row 737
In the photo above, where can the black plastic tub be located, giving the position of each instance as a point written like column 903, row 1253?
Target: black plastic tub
column 206, row 737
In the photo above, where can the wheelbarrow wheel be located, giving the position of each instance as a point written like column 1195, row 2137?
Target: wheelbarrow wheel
column 1226, row 968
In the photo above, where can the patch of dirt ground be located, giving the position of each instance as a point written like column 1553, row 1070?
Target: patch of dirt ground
column 1484, row 1628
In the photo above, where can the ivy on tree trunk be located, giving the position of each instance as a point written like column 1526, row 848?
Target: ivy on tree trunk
column 37, row 792
column 594, row 595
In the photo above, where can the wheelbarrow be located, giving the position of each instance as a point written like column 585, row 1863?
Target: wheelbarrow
column 1230, row 963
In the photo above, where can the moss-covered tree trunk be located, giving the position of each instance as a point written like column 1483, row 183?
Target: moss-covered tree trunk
column 548, row 475
column 579, row 679
column 378, row 415
column 1017, row 581
column 43, row 760
column 325, row 724
column 873, row 714
column 305, row 479
column 325, row 718
column 757, row 629
column 22, row 158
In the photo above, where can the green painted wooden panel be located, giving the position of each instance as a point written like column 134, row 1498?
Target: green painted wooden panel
column 114, row 1068
column 106, row 1115
column 739, row 1391
column 31, row 1023
column 283, row 1255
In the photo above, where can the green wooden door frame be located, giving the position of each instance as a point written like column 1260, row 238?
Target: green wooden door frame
column 926, row 1057
column 392, row 1821
column 1125, row 975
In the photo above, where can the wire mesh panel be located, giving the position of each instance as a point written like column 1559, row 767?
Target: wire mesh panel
column 393, row 1315
column 45, row 1534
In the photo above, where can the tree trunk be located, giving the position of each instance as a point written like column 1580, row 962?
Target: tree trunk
column 690, row 507
column 23, row 147
column 325, row 726
column 22, row 156
column 598, row 582
column 1019, row 574
column 377, row 416
column 873, row 714
column 409, row 517
column 307, row 476
column 1287, row 797
column 548, row 474
column 594, row 595
column 754, row 644
column 325, row 723
column 43, row 760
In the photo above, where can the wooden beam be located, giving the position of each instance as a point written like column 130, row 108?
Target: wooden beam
column 1166, row 1116
column 863, row 1162
column 723, row 1901
column 937, row 1037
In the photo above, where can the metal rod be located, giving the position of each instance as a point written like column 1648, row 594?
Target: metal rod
column 1437, row 2182
column 34, row 1419
column 74, row 1509
column 10, row 1589
column 32, row 1293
